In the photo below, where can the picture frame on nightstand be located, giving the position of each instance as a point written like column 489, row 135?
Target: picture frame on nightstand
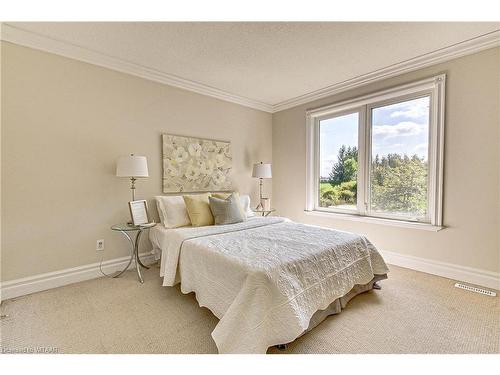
column 139, row 212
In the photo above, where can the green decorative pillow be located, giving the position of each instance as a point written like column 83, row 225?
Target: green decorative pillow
column 226, row 211
column 198, row 210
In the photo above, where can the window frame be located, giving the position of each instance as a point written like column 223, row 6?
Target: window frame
column 434, row 87
column 361, row 118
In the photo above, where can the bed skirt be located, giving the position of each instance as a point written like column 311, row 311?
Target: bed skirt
column 340, row 303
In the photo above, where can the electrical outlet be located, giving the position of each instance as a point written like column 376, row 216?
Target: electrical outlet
column 100, row 245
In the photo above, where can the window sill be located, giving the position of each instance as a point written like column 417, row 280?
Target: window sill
column 376, row 220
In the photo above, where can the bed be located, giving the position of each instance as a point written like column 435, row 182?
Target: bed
column 268, row 279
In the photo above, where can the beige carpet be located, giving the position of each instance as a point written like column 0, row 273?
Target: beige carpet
column 413, row 313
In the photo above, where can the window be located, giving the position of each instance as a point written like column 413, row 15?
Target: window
column 338, row 137
column 379, row 155
column 399, row 159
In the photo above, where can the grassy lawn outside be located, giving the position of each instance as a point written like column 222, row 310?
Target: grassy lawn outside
column 324, row 186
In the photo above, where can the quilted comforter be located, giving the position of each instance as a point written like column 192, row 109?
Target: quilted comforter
column 266, row 277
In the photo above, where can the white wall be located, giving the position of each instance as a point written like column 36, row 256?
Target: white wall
column 64, row 123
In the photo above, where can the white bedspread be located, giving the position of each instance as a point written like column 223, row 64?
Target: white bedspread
column 266, row 277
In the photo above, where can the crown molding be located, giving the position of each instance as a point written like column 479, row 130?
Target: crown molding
column 37, row 41
column 464, row 48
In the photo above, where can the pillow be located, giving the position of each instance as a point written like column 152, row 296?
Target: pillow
column 245, row 204
column 172, row 211
column 198, row 210
column 222, row 195
column 226, row 211
column 227, row 195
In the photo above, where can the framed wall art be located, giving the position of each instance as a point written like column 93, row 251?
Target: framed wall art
column 195, row 164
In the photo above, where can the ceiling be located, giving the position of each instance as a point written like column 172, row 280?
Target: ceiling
column 270, row 63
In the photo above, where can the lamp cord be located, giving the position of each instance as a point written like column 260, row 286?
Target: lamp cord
column 100, row 267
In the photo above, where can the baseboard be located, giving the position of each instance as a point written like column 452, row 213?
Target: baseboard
column 471, row 275
column 44, row 281
column 37, row 283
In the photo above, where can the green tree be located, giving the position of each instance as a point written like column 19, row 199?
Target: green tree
column 399, row 184
column 347, row 192
column 346, row 167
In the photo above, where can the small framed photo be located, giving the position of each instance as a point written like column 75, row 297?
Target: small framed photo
column 139, row 212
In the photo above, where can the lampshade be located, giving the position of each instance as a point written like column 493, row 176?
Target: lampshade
column 132, row 166
column 262, row 170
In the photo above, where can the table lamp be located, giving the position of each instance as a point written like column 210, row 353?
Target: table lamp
column 261, row 171
column 133, row 167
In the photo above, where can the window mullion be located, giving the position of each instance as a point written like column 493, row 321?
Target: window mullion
column 361, row 202
column 367, row 161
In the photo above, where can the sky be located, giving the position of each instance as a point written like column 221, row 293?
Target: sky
column 401, row 128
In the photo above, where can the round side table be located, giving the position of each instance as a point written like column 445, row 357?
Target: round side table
column 263, row 212
column 125, row 229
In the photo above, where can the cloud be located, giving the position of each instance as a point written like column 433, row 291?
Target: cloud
column 402, row 129
column 414, row 109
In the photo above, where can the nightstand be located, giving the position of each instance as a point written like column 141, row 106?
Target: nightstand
column 264, row 213
column 125, row 229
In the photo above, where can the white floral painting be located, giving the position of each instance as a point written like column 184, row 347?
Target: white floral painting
column 195, row 165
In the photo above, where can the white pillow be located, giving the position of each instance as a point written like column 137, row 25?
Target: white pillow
column 172, row 211
column 245, row 203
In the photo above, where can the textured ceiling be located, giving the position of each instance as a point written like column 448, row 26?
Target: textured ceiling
column 267, row 62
